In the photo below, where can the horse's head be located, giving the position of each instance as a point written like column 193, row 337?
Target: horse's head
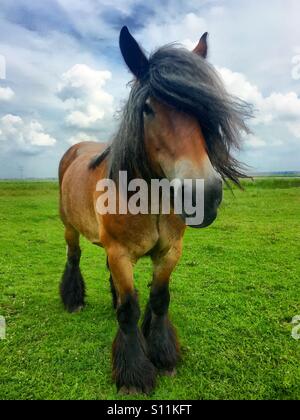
column 177, row 150
column 188, row 120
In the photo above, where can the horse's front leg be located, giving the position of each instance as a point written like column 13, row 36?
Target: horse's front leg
column 160, row 334
column 132, row 370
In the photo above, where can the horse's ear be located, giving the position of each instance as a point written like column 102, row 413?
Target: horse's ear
column 202, row 47
column 132, row 53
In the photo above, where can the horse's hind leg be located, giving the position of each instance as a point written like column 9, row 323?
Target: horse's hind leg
column 112, row 288
column 113, row 293
column 161, row 337
column 72, row 289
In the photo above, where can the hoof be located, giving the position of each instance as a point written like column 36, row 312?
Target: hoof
column 138, row 385
column 76, row 310
column 130, row 391
column 170, row 373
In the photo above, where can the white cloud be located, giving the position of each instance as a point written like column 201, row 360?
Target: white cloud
column 86, row 101
column 6, row 94
column 283, row 107
column 37, row 136
column 28, row 137
column 254, row 142
column 217, row 11
column 238, row 85
column 80, row 137
column 296, row 66
column 185, row 29
column 294, row 128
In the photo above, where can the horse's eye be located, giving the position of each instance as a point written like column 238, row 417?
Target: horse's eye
column 148, row 110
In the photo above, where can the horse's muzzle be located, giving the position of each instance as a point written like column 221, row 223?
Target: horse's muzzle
column 205, row 203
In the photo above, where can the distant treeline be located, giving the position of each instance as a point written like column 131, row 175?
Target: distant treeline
column 291, row 174
column 276, row 174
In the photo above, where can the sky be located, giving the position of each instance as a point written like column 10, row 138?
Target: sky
column 63, row 80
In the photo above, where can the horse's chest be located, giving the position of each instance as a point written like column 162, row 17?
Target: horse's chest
column 137, row 233
column 141, row 234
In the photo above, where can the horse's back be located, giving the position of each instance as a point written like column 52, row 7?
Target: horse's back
column 77, row 188
column 90, row 148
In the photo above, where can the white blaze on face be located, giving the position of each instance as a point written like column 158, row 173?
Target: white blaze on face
column 189, row 192
column 185, row 170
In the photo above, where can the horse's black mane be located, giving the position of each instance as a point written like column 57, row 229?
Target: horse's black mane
column 99, row 159
column 189, row 83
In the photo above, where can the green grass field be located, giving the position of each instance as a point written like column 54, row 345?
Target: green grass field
column 234, row 295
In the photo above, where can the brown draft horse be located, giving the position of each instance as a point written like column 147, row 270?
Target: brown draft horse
column 179, row 122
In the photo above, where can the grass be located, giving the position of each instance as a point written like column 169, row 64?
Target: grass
column 233, row 298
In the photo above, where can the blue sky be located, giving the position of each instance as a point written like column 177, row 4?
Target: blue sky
column 62, row 78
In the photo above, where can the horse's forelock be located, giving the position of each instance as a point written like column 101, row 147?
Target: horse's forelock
column 189, row 83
